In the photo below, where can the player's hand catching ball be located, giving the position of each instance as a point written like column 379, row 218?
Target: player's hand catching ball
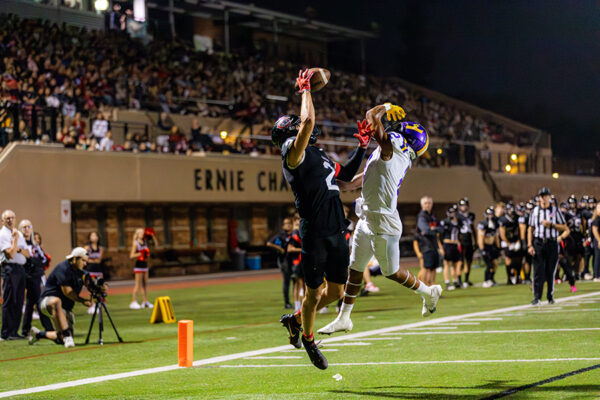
column 303, row 80
column 394, row 112
column 364, row 133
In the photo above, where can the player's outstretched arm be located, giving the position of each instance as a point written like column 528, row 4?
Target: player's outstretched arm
column 374, row 116
column 354, row 184
column 347, row 172
column 307, row 120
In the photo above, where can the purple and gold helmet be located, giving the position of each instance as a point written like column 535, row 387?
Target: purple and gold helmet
column 416, row 137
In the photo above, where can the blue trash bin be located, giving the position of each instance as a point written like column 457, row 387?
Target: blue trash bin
column 253, row 262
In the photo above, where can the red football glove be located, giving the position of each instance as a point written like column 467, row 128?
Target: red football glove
column 364, row 133
column 303, row 80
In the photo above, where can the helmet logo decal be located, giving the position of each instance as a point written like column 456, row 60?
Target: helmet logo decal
column 283, row 122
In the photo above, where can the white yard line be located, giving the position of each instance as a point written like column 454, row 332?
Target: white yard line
column 485, row 319
column 435, row 327
column 270, row 350
column 460, row 323
column 391, row 336
column 273, row 358
column 414, row 362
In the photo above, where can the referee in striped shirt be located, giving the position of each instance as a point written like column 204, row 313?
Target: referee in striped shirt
column 545, row 222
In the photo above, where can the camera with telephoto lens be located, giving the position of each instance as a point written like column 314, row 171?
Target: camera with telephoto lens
column 95, row 287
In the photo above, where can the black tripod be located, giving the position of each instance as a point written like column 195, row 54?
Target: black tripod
column 98, row 310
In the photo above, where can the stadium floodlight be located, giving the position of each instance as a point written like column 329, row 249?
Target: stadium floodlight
column 101, row 5
column 223, row 135
column 439, row 151
column 555, row 175
column 513, row 157
column 507, row 168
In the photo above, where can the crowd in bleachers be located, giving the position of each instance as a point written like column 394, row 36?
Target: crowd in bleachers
column 53, row 78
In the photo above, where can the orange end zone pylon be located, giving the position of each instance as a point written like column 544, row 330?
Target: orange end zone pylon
column 186, row 343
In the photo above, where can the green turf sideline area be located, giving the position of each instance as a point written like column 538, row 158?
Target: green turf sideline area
column 418, row 361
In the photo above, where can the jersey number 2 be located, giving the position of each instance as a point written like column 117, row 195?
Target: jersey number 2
column 330, row 180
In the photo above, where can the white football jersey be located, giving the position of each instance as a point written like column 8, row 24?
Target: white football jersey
column 382, row 179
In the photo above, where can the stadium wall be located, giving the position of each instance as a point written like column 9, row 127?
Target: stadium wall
column 36, row 179
column 523, row 187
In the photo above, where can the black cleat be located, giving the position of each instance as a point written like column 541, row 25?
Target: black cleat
column 288, row 306
column 294, row 329
column 536, row 302
column 550, row 301
column 315, row 355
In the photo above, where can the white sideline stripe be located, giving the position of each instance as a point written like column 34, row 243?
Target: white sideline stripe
column 460, row 323
column 389, row 336
column 273, row 358
column 563, row 311
column 270, row 350
column 413, row 362
column 484, row 319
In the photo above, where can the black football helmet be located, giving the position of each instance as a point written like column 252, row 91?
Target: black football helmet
column 510, row 208
column 287, row 126
column 489, row 212
column 463, row 202
column 452, row 210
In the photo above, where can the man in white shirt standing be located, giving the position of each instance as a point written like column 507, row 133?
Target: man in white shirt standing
column 379, row 228
column 15, row 254
column 100, row 127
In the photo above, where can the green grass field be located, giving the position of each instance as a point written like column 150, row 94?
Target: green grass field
column 435, row 361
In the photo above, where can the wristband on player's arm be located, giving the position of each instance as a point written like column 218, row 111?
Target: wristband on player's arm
column 347, row 171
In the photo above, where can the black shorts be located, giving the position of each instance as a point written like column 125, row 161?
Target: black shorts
column 491, row 251
column 431, row 259
column 467, row 253
column 451, row 252
column 325, row 258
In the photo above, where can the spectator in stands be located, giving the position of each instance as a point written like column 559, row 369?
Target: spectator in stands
column 107, row 144
column 165, row 123
column 99, row 127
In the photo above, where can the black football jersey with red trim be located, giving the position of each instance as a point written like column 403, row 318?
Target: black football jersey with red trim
column 317, row 194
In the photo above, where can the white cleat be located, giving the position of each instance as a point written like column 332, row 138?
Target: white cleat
column 430, row 302
column 338, row 325
column 134, row 305
column 32, row 338
column 69, row 342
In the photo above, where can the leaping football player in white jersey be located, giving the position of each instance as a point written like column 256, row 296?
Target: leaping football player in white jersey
column 379, row 228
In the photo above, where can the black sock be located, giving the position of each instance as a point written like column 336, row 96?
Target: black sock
column 66, row 333
column 40, row 335
column 467, row 276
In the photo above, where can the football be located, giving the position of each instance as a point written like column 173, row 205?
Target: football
column 319, row 79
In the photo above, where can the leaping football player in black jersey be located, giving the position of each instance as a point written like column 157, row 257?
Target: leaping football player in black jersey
column 312, row 176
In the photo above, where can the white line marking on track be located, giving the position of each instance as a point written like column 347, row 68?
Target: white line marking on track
column 270, row 350
column 391, row 335
column 413, row 362
column 460, row 323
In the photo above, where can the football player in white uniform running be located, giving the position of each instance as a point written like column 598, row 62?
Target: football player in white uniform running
column 379, row 228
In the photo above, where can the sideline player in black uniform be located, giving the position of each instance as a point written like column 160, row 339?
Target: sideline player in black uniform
column 487, row 240
column 450, row 248
column 569, row 255
column 312, row 176
column 511, row 243
column 589, row 255
column 467, row 237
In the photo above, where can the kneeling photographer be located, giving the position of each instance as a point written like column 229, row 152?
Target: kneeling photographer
column 59, row 296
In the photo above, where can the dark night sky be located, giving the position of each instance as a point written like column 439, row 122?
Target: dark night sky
column 537, row 62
